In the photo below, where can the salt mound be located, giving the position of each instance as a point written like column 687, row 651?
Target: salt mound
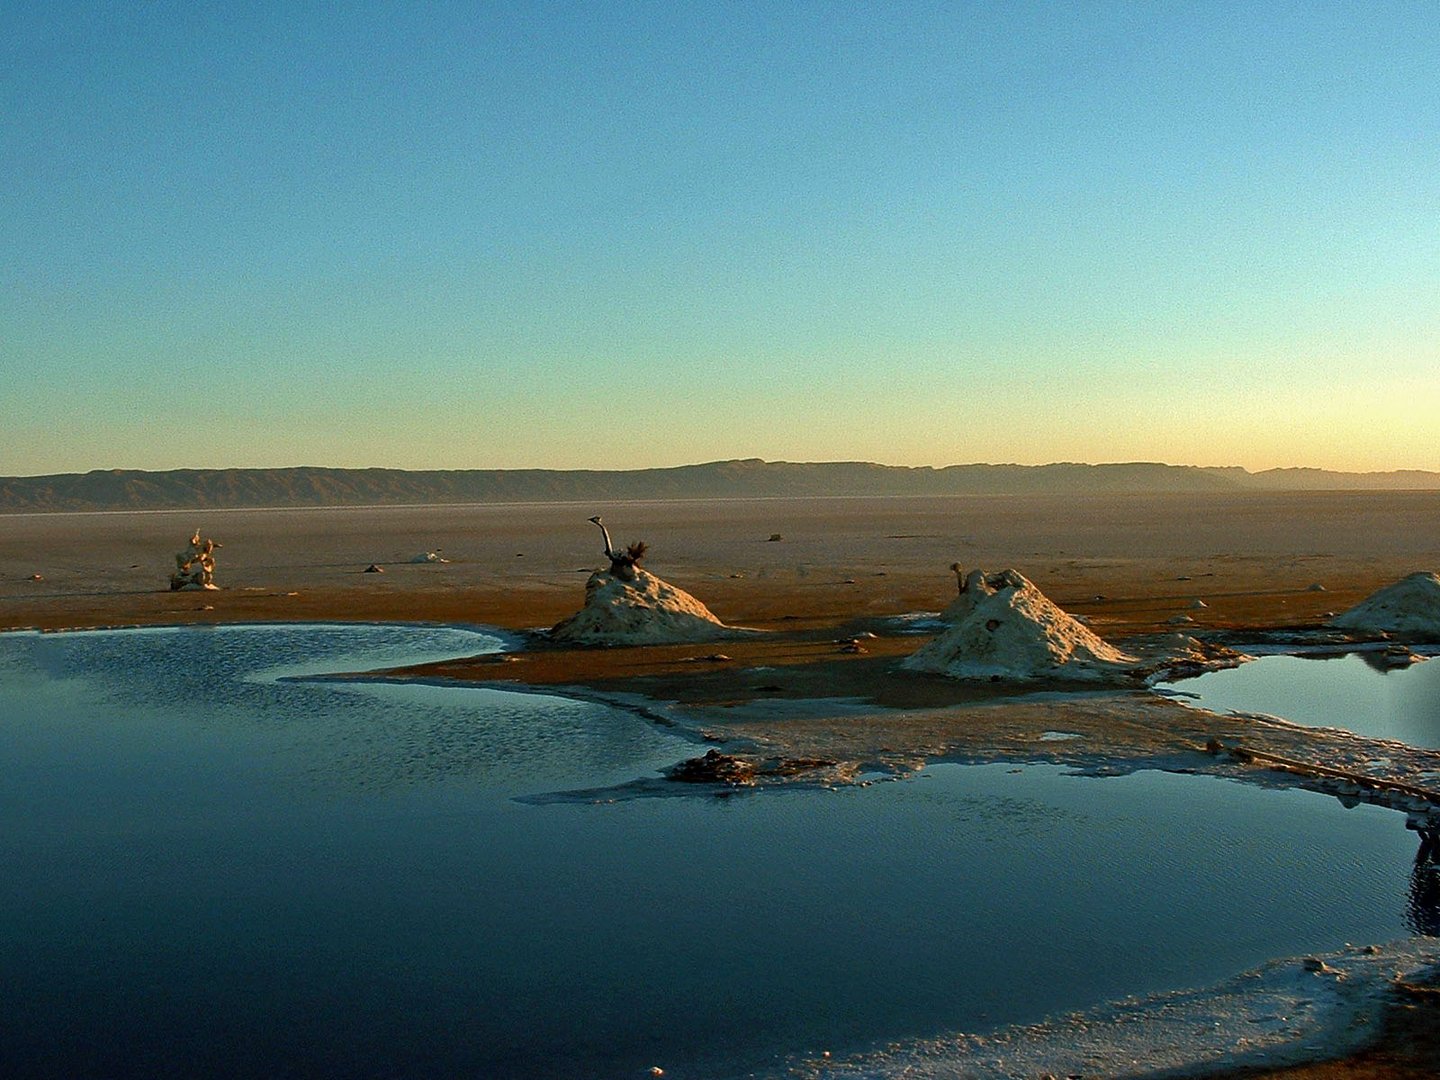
column 643, row 611
column 1409, row 606
column 1002, row 625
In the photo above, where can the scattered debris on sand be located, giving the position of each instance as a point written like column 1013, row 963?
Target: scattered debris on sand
column 1410, row 606
column 714, row 767
column 624, row 564
column 716, row 774
column 736, row 771
column 1002, row 626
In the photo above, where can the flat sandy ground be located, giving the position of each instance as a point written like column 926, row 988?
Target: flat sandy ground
column 1250, row 557
column 1129, row 564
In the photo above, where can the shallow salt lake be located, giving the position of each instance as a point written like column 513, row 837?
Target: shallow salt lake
column 214, row 871
column 1352, row 692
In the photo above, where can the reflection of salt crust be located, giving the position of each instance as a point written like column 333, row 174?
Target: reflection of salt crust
column 1002, row 625
column 1278, row 1014
column 1409, row 606
column 646, row 611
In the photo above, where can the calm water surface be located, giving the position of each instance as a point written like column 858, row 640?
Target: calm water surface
column 209, row 871
column 1349, row 692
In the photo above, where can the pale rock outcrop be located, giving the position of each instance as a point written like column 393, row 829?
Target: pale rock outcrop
column 1410, row 606
column 195, row 567
column 642, row 611
column 1002, row 625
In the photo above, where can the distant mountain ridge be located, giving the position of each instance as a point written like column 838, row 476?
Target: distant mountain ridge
column 181, row 489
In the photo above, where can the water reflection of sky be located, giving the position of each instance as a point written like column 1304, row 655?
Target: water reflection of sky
column 1339, row 691
column 211, row 872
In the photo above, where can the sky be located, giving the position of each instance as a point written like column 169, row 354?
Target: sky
column 624, row 235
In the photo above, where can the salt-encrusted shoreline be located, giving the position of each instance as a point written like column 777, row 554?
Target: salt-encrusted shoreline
column 1287, row 1011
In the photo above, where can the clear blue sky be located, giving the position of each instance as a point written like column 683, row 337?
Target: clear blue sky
column 479, row 235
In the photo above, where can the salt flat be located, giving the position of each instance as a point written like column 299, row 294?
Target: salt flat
column 1129, row 565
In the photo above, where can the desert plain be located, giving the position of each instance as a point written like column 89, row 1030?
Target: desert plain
column 831, row 581
column 1250, row 556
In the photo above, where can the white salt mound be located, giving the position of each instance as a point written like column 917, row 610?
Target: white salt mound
column 1003, row 625
column 1410, row 606
column 646, row 611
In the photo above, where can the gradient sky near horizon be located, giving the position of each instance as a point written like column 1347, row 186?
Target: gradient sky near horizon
column 612, row 235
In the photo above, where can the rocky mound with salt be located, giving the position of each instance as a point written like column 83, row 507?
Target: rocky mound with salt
column 639, row 609
column 1002, row 625
column 1410, row 606
column 195, row 567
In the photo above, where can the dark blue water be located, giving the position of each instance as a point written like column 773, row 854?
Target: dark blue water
column 1351, row 692
column 209, row 872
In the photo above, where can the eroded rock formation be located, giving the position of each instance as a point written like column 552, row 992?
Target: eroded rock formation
column 195, row 567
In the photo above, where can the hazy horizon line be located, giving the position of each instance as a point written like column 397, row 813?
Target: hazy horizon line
column 112, row 470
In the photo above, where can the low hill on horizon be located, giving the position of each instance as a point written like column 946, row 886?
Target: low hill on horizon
column 213, row 489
